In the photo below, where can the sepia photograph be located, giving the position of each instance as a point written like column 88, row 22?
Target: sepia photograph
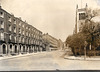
column 49, row 35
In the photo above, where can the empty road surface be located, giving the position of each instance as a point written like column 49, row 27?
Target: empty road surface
column 46, row 61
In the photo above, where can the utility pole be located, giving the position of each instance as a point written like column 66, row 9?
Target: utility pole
column 85, row 53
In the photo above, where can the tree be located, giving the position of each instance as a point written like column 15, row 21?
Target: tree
column 90, row 32
column 76, row 41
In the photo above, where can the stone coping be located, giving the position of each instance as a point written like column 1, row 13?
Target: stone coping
column 92, row 58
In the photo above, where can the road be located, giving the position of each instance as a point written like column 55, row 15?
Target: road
column 47, row 61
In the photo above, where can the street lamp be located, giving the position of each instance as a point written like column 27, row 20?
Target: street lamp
column 85, row 44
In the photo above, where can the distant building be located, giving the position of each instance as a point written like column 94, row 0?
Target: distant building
column 52, row 43
column 60, row 44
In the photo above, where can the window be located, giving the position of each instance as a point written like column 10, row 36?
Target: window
column 32, row 35
column 20, row 23
column 32, row 30
column 23, row 32
column 82, row 16
column 10, row 37
column 2, row 24
column 26, row 33
column 29, row 28
column 81, row 23
column 2, row 36
column 19, row 30
column 36, row 42
column 36, row 32
column 27, row 40
column 14, row 21
column 15, row 29
column 15, row 39
column 37, row 37
column 9, row 19
column 9, row 27
column 29, row 34
column 31, row 41
column 19, row 39
column 26, row 27
column 23, row 25
column 23, row 40
column 2, row 14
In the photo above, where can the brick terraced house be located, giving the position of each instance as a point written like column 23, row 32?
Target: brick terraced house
column 17, row 36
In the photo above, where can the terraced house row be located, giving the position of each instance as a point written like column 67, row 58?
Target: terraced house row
column 17, row 36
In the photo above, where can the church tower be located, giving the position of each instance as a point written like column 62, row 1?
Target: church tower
column 80, row 18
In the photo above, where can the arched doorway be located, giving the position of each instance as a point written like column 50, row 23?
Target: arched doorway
column 11, row 46
column 33, row 48
column 24, row 50
column 15, row 48
column 20, row 48
column 27, row 49
column 4, row 48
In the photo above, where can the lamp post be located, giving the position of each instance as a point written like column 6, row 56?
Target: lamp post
column 85, row 44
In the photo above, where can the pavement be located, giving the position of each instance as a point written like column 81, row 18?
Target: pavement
column 92, row 58
column 20, row 55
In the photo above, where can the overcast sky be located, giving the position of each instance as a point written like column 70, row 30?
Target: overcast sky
column 56, row 17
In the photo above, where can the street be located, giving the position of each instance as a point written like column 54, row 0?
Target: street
column 46, row 61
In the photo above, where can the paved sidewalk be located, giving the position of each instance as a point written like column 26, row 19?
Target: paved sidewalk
column 92, row 58
column 20, row 55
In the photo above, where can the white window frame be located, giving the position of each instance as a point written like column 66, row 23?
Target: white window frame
column 15, row 38
column 2, row 36
column 23, row 25
column 19, row 30
column 14, row 21
column 23, row 32
column 29, row 34
column 10, row 37
column 15, row 29
column 26, row 27
column 20, row 23
column 2, row 15
column 19, row 39
column 26, row 33
column 9, row 27
column 2, row 24
column 29, row 28
column 9, row 18
column 23, row 40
